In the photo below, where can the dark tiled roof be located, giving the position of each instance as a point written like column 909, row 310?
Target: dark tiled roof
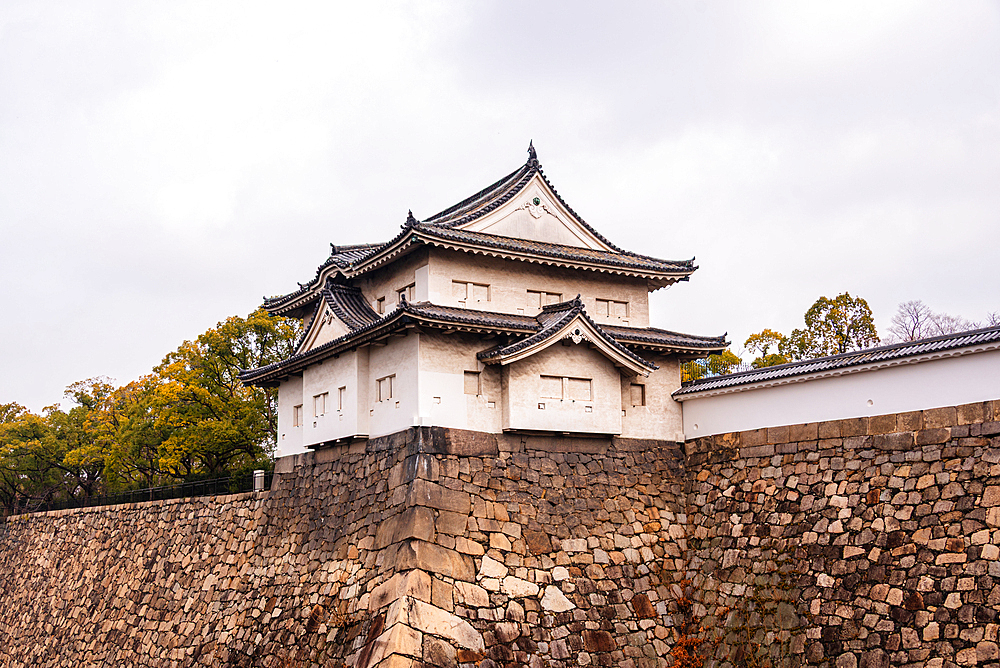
column 348, row 304
column 482, row 319
column 404, row 313
column 534, row 329
column 661, row 337
column 883, row 354
column 553, row 319
column 475, row 206
column 442, row 228
column 341, row 257
column 576, row 254
column 495, row 195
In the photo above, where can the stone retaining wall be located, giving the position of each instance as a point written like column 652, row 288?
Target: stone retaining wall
column 845, row 544
column 430, row 546
column 851, row 543
column 261, row 579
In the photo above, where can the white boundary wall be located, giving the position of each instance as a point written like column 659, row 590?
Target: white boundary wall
column 951, row 378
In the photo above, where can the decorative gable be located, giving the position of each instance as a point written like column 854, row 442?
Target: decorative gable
column 535, row 213
column 339, row 311
column 568, row 322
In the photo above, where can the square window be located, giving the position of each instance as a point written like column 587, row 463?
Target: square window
column 460, row 290
column 380, row 305
column 297, row 416
column 480, row 293
column 551, row 387
column 580, row 389
column 406, row 292
column 472, row 382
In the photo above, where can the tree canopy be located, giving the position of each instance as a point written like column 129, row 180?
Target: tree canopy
column 915, row 320
column 832, row 326
column 190, row 418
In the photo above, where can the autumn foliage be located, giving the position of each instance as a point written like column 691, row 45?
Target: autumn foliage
column 190, row 418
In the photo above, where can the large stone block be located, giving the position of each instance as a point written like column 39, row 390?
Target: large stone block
column 413, row 522
column 432, row 495
column 428, row 619
column 940, row 417
column 430, row 557
column 902, row 440
column 415, row 584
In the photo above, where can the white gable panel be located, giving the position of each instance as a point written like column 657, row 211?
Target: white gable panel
column 325, row 328
column 547, row 221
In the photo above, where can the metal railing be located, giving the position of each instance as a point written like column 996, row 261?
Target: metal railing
column 250, row 482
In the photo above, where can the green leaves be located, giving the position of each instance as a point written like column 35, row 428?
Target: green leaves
column 713, row 365
column 833, row 326
column 760, row 343
column 190, row 418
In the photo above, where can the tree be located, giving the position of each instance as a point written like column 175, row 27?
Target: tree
column 214, row 422
column 714, row 365
column 83, row 458
column 127, row 431
column 760, row 343
column 833, row 326
column 915, row 320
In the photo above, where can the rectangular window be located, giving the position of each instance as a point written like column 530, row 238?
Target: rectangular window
column 471, row 293
column 552, row 387
column 610, row 308
column 319, row 404
column 563, row 387
column 341, row 398
column 579, row 389
column 638, row 394
column 380, row 305
column 472, row 382
column 480, row 292
column 383, row 388
column 297, row 416
column 407, row 292
column 539, row 298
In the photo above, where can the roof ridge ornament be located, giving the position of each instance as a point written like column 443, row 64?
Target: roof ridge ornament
column 410, row 220
column 532, row 156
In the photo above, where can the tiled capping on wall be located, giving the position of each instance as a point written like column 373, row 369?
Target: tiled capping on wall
column 863, row 542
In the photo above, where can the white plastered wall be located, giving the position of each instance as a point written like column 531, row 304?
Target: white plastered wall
column 444, row 359
column 523, row 392
column 289, row 437
column 384, row 282
column 328, row 377
column 661, row 417
column 511, row 280
column 950, row 381
column 398, row 358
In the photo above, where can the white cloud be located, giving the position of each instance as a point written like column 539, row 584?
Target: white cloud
column 164, row 165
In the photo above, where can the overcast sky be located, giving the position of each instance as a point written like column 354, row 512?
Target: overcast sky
column 165, row 165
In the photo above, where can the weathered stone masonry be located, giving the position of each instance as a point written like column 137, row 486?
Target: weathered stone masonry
column 866, row 542
column 430, row 545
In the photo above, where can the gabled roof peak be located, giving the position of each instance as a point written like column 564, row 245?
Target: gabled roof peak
column 410, row 220
column 575, row 304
